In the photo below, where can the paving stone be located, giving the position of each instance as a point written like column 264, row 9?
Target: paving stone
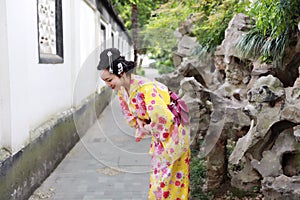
column 106, row 163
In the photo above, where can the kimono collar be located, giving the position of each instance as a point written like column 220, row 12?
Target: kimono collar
column 136, row 82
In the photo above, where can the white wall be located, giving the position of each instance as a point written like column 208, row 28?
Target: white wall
column 19, row 53
column 74, row 42
column 50, row 85
column 116, row 40
column 88, row 36
column 87, row 74
column 5, row 113
column 31, row 93
column 35, row 91
column 102, row 32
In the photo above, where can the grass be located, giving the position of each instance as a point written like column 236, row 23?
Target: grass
column 197, row 178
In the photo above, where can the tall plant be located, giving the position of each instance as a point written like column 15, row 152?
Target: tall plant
column 210, row 17
column 274, row 29
column 136, row 14
column 145, row 7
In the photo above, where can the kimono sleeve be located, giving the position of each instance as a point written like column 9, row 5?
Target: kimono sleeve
column 130, row 119
column 160, row 115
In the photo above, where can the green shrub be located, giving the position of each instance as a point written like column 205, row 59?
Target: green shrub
column 140, row 71
column 214, row 17
column 164, row 63
column 163, row 69
column 274, row 29
column 197, row 178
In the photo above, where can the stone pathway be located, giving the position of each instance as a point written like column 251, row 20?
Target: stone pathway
column 150, row 72
column 106, row 163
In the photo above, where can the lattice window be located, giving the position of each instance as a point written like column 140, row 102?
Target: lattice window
column 50, row 31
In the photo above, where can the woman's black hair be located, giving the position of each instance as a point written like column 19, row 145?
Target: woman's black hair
column 111, row 60
column 121, row 65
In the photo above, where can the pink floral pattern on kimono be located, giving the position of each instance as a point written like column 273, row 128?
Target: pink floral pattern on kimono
column 148, row 101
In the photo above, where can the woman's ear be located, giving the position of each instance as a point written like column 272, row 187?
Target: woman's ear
column 123, row 74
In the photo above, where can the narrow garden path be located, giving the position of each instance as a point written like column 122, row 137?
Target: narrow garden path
column 106, row 163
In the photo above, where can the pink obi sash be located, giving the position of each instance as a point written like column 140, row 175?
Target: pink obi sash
column 179, row 109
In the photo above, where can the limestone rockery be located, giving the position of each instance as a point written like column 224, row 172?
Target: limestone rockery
column 242, row 108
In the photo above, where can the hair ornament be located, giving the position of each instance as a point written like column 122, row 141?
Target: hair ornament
column 109, row 54
column 120, row 68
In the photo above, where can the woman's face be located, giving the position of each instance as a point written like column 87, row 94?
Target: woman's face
column 111, row 80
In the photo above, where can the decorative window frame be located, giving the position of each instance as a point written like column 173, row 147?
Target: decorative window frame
column 50, row 31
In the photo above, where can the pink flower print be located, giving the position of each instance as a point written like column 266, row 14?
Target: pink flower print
column 154, row 90
column 166, row 194
column 158, row 195
column 143, row 105
column 177, row 183
column 152, row 124
column 158, row 164
column 165, row 135
column 160, row 127
column 179, row 175
column 159, row 149
column 187, row 161
column 171, row 150
column 175, row 136
column 141, row 82
column 153, row 95
column 133, row 100
column 183, row 132
column 162, row 120
column 164, row 171
column 150, row 107
column 122, row 104
column 140, row 96
column 162, row 185
column 152, row 101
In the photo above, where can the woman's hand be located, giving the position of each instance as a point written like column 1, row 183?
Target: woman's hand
column 145, row 128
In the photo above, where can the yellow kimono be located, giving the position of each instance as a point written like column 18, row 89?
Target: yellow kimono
column 148, row 101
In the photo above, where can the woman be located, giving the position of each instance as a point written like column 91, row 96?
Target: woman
column 147, row 106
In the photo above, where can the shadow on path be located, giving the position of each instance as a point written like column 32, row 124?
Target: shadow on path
column 106, row 163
